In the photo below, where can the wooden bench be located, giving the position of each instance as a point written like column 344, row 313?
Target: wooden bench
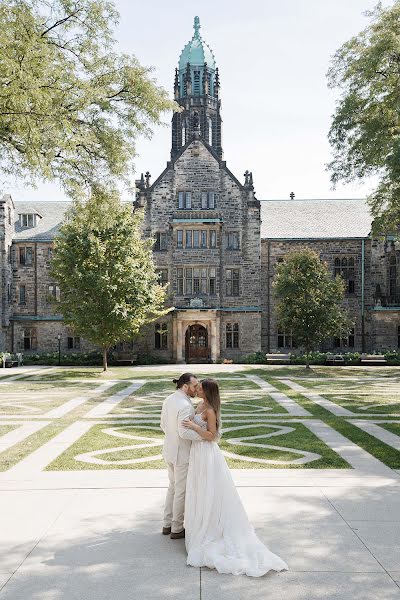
column 124, row 358
column 277, row 358
column 334, row 359
column 373, row 359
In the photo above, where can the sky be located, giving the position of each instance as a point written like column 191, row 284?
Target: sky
column 273, row 56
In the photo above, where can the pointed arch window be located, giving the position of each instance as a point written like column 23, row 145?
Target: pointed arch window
column 392, row 278
column 184, row 131
column 196, row 83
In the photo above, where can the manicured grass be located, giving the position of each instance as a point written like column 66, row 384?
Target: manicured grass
column 301, row 439
column 6, row 428
column 388, row 455
column 392, row 427
column 97, row 439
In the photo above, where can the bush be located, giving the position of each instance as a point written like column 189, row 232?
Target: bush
column 255, row 358
column 392, row 357
column 66, row 360
column 150, row 359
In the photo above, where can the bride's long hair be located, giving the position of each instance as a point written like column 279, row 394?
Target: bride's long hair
column 211, row 392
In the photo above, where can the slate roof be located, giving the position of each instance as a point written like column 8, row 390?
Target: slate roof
column 281, row 219
column 315, row 219
column 52, row 213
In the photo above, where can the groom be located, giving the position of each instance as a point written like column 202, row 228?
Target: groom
column 176, row 408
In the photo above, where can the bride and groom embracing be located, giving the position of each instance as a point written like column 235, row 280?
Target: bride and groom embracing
column 201, row 492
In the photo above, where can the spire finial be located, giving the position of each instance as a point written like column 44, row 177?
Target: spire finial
column 196, row 27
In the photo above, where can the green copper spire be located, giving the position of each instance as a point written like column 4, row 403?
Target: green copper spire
column 196, row 27
column 197, row 51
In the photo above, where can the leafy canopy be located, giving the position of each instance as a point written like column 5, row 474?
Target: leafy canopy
column 309, row 299
column 108, row 281
column 71, row 107
column 365, row 130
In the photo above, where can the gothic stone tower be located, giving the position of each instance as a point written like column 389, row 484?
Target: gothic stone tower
column 207, row 228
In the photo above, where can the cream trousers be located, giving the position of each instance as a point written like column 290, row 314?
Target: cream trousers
column 175, row 500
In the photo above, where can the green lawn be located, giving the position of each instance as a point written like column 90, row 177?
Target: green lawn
column 241, row 398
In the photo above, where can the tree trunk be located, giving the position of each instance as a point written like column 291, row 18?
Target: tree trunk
column 307, row 358
column 104, row 359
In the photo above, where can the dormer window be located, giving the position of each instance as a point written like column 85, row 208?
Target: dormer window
column 28, row 219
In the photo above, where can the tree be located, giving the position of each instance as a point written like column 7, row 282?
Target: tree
column 309, row 300
column 365, row 130
column 108, row 283
column 70, row 106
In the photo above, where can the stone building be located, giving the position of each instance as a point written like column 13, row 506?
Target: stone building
column 216, row 245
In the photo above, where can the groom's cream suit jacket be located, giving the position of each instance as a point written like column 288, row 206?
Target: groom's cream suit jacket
column 177, row 407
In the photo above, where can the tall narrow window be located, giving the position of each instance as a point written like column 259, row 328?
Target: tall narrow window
column 188, row 199
column 232, row 282
column 53, row 292
column 181, row 199
column 207, row 200
column 161, row 242
column 196, row 238
column 22, row 294
column 392, row 278
column 212, row 281
column 232, row 335
column 213, row 238
column 398, row 336
column 189, row 281
column 184, row 132
column 203, row 242
column 345, row 267
column 161, row 336
column 30, row 339
column 179, row 281
column 26, row 256
column 8, row 292
column 196, row 84
column 233, row 240
column 179, row 238
column 188, row 238
column 210, row 131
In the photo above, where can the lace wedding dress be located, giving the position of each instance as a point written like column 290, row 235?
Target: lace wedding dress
column 218, row 533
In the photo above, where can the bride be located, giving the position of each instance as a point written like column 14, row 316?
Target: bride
column 218, row 532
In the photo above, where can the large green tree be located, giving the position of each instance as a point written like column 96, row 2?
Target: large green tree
column 108, row 282
column 309, row 300
column 365, row 131
column 71, row 106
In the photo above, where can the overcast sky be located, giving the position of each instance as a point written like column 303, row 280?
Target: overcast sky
column 276, row 107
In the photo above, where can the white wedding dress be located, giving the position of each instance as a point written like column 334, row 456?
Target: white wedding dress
column 218, row 533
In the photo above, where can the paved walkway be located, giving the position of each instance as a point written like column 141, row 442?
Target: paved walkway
column 96, row 534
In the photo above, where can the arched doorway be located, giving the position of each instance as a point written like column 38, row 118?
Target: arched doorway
column 196, row 344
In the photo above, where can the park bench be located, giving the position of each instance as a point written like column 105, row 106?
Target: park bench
column 124, row 358
column 12, row 360
column 334, row 359
column 277, row 358
column 373, row 359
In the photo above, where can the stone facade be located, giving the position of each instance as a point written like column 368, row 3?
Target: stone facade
column 216, row 245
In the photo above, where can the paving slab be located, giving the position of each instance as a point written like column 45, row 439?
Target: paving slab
column 323, row 545
column 371, row 504
column 383, row 541
column 292, row 585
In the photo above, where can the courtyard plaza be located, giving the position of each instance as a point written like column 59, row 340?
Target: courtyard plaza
column 315, row 455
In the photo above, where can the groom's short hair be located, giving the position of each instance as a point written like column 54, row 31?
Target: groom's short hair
column 184, row 378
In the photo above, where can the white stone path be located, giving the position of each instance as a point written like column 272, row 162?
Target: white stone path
column 371, row 427
column 332, row 407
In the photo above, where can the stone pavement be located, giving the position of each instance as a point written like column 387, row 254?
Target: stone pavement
column 95, row 534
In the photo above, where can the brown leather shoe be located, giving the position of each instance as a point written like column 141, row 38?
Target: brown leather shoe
column 178, row 536
column 166, row 530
